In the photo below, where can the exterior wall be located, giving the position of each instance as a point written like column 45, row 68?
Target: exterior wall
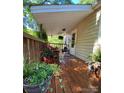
column 88, row 32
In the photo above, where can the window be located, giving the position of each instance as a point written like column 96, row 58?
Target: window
column 73, row 40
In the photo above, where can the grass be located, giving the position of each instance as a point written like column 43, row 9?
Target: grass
column 54, row 39
column 31, row 32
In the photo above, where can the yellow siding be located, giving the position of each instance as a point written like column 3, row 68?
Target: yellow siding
column 87, row 34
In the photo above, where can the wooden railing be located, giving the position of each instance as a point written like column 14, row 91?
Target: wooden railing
column 58, row 45
column 31, row 47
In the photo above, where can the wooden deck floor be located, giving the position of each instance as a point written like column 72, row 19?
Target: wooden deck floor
column 74, row 78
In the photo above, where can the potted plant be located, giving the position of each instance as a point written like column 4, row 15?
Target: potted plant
column 47, row 55
column 96, row 56
column 95, row 64
column 36, row 77
column 56, row 69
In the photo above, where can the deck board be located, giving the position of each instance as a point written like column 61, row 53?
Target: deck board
column 66, row 82
column 75, row 78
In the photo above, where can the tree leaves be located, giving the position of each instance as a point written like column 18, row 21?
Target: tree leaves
column 86, row 1
column 58, row 2
column 28, row 20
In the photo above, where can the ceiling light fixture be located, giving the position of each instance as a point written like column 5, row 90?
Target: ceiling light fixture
column 63, row 29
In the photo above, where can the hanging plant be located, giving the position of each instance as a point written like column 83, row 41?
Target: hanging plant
column 60, row 37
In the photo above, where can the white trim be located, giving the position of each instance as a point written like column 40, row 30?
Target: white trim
column 60, row 8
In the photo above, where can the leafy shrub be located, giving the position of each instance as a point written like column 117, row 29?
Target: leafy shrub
column 43, row 34
column 96, row 56
column 36, row 73
column 29, row 22
column 55, row 68
column 47, row 53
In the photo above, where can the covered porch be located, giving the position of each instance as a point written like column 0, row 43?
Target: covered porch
column 74, row 76
column 77, row 23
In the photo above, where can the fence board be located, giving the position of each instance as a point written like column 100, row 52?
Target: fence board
column 31, row 48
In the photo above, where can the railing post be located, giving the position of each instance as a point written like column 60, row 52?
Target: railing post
column 33, row 50
column 38, row 51
column 28, row 46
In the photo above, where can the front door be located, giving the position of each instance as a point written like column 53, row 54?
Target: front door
column 73, row 42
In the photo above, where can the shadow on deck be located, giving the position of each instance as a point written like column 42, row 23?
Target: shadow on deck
column 74, row 78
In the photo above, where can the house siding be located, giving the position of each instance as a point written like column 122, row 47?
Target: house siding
column 87, row 34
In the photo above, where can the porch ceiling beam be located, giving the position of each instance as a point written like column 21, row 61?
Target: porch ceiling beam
column 59, row 8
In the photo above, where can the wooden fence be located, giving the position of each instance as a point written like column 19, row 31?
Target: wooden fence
column 31, row 48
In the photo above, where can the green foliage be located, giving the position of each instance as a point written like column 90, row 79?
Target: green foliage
column 51, row 90
column 25, row 2
column 37, row 1
column 87, row 1
column 61, row 2
column 27, row 12
column 47, row 53
column 60, row 80
column 58, row 2
column 55, row 68
column 30, row 25
column 31, row 32
column 29, row 21
column 36, row 72
column 96, row 56
column 54, row 39
column 43, row 35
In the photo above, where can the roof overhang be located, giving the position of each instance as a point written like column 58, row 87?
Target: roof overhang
column 59, row 8
column 56, row 17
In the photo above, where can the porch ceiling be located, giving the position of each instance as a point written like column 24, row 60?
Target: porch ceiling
column 56, row 17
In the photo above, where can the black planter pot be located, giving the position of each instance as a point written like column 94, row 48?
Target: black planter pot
column 40, row 88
